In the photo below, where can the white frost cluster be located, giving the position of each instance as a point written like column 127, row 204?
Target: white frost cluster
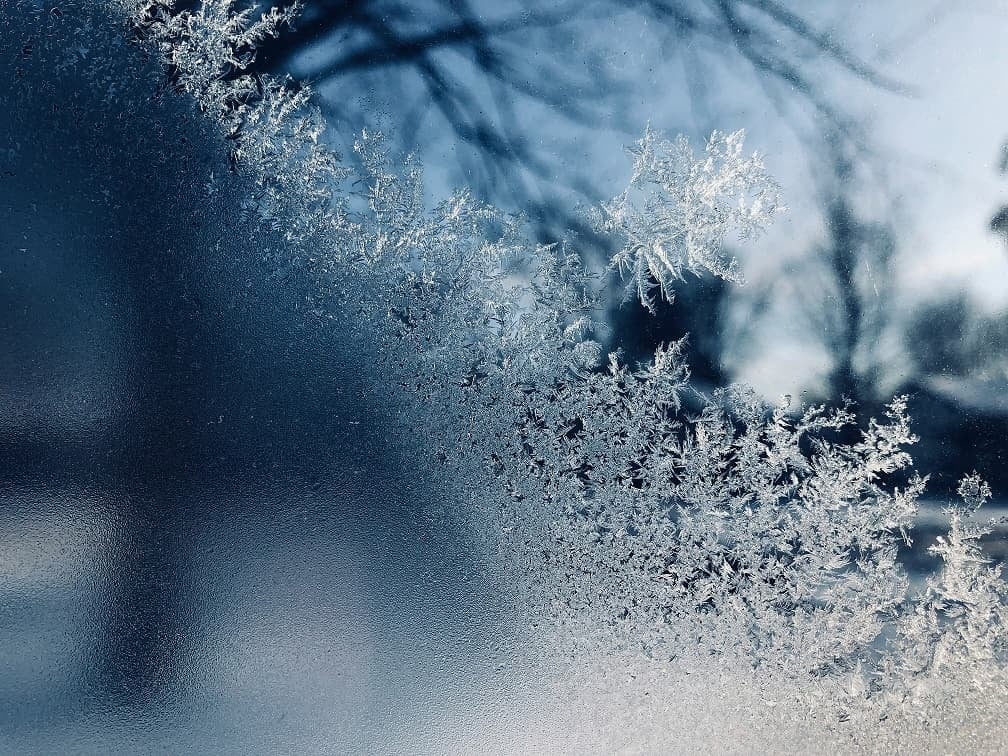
column 678, row 210
column 274, row 130
column 954, row 636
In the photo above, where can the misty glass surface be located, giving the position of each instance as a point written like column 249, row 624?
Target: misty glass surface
column 226, row 521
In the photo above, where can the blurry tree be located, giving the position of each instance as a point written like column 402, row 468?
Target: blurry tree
column 490, row 84
column 843, row 288
column 493, row 77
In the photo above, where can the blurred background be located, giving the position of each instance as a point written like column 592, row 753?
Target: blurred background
column 190, row 522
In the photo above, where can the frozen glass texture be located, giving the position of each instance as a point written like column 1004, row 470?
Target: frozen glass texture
column 423, row 376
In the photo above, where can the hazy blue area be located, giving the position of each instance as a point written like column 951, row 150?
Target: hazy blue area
column 214, row 532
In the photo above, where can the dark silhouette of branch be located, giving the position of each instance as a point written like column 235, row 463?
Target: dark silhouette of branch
column 842, row 289
column 482, row 72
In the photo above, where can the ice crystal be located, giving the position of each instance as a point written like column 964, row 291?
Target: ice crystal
column 725, row 516
column 208, row 49
column 954, row 635
column 464, row 280
column 274, row 129
column 678, row 209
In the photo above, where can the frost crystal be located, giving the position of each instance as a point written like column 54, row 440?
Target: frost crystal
column 678, row 210
column 274, row 130
column 954, row 636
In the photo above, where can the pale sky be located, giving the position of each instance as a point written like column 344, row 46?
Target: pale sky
column 941, row 150
column 954, row 132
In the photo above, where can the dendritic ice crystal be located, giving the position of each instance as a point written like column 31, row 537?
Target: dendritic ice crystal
column 679, row 209
column 715, row 526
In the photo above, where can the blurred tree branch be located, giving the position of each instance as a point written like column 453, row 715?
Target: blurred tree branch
column 843, row 288
column 490, row 72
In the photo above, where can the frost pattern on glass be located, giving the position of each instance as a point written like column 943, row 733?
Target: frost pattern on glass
column 274, row 131
column 739, row 529
column 954, row 636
